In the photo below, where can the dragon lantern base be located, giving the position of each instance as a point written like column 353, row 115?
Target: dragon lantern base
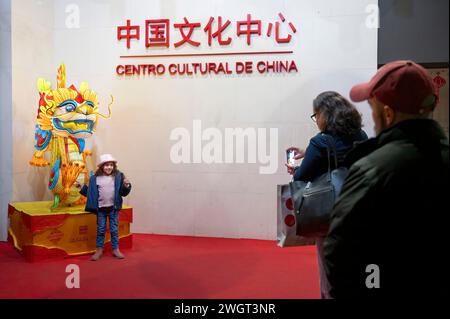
column 39, row 233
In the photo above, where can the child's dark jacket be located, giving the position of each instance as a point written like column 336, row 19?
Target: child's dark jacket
column 91, row 193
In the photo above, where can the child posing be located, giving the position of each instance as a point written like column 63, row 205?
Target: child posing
column 104, row 198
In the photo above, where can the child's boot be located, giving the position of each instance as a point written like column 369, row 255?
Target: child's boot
column 118, row 254
column 97, row 255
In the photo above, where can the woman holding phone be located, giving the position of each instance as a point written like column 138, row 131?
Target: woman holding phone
column 339, row 122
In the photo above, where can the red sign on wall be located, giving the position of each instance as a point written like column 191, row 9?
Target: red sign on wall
column 157, row 32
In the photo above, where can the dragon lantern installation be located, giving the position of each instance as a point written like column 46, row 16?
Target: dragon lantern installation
column 65, row 118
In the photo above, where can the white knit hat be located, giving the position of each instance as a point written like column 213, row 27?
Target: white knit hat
column 104, row 158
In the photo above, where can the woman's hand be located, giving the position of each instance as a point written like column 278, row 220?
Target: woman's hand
column 299, row 153
column 77, row 185
column 126, row 182
column 290, row 169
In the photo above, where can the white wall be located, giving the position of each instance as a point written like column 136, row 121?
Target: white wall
column 32, row 57
column 5, row 116
column 333, row 49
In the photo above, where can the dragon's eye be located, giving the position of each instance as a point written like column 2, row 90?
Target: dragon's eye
column 69, row 105
column 89, row 103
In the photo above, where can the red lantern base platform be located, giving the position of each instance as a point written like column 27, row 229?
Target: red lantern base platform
column 38, row 232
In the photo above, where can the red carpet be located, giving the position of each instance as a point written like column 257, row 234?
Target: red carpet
column 171, row 267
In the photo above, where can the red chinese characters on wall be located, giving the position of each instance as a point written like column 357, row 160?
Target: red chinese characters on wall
column 129, row 34
column 278, row 38
column 187, row 37
column 157, row 32
column 218, row 34
column 246, row 28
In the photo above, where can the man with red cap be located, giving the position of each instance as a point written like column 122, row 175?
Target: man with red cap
column 387, row 232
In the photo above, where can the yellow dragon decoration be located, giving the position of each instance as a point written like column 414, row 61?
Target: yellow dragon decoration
column 66, row 117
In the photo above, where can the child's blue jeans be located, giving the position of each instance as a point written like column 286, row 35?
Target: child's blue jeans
column 113, row 228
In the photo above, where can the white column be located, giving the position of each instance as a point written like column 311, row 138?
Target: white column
column 5, row 116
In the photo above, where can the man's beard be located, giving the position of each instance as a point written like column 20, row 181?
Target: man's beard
column 380, row 121
column 383, row 124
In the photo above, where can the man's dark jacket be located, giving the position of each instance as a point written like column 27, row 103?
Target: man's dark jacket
column 391, row 216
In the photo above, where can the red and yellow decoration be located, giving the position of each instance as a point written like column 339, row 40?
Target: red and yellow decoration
column 65, row 118
column 39, row 233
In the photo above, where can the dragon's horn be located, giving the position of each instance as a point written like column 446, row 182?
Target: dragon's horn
column 43, row 85
column 61, row 77
column 83, row 87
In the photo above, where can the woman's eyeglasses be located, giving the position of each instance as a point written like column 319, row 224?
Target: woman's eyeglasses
column 313, row 117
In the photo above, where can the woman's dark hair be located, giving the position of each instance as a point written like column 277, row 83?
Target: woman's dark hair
column 341, row 116
column 99, row 171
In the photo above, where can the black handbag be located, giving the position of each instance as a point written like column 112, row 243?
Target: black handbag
column 314, row 200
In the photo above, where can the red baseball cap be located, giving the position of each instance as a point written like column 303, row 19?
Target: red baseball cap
column 403, row 85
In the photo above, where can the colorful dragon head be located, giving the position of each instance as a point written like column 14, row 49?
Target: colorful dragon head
column 67, row 111
column 66, row 116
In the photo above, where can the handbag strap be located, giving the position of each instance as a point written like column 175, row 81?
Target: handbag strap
column 331, row 145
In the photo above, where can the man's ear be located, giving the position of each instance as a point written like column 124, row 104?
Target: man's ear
column 389, row 115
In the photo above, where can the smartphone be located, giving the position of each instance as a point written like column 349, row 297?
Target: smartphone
column 290, row 157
